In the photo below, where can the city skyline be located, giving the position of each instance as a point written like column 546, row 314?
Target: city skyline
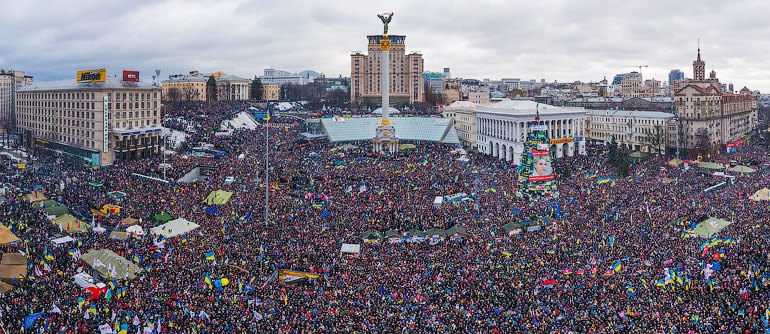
column 559, row 40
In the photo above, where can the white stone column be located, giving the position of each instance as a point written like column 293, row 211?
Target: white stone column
column 518, row 150
column 385, row 84
column 559, row 150
column 570, row 149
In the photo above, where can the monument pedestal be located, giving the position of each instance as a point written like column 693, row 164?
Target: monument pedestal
column 385, row 140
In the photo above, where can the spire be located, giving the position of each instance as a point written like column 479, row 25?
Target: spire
column 698, row 49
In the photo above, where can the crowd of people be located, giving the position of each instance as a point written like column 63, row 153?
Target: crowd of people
column 618, row 256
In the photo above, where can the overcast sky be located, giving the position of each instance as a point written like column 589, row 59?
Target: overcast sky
column 554, row 40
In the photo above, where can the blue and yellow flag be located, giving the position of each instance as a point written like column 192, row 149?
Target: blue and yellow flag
column 210, row 256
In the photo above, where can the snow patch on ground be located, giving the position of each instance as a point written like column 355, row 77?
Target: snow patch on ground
column 241, row 121
column 175, row 138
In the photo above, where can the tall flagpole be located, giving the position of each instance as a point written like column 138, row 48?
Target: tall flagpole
column 267, row 165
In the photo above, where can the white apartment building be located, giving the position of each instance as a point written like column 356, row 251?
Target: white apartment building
column 640, row 130
column 463, row 115
column 10, row 82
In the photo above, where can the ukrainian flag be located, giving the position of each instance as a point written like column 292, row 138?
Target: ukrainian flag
column 207, row 280
column 617, row 266
column 210, row 256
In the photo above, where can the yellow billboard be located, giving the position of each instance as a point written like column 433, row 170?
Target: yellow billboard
column 98, row 75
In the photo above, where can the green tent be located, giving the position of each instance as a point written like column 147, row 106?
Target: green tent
column 456, row 231
column 414, row 233
column 435, row 232
column 711, row 165
column 510, row 228
column 118, row 195
column 57, row 211
column 407, row 146
column 710, row 226
column 70, row 224
column 44, row 204
column 638, row 154
column 95, row 184
column 371, row 235
column 743, row 169
column 218, row 197
column 392, row 233
column 100, row 259
column 161, row 217
column 675, row 162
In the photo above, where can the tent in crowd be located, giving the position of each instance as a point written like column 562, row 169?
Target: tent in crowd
column 161, row 218
column 135, row 230
column 761, row 195
column 743, row 169
column 675, row 162
column 62, row 240
column 5, row 287
column 513, row 228
column 218, row 197
column 436, row 233
column 109, row 264
column 117, row 195
column 666, row 180
column 710, row 226
column 638, row 155
column 350, row 249
column 175, row 227
column 95, row 184
column 393, row 235
column 70, row 224
column 110, row 209
column 117, row 235
column 455, row 232
column 371, row 236
column 35, row 196
column 129, row 221
column 407, row 147
column 44, row 204
column 13, row 267
column 6, row 236
column 57, row 211
column 711, row 165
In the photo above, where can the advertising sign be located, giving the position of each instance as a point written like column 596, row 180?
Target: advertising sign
column 538, row 127
column 131, row 76
column 106, row 124
column 98, row 75
column 560, row 140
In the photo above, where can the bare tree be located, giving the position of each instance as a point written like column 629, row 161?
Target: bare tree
column 189, row 94
column 173, row 94
column 704, row 140
column 655, row 139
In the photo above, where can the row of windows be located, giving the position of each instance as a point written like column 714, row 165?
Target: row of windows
column 130, row 96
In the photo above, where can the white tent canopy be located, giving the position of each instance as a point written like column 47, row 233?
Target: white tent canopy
column 353, row 249
column 135, row 229
column 62, row 240
column 175, row 227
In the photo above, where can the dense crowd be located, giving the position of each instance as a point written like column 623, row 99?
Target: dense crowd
column 618, row 258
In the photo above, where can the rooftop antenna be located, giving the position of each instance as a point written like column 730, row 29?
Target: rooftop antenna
column 157, row 75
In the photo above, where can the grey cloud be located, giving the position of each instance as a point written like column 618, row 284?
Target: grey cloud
column 560, row 39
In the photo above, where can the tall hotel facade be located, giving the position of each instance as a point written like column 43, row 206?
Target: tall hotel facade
column 405, row 72
column 95, row 118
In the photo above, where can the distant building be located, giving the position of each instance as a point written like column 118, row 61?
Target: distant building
column 675, row 75
column 502, row 128
column 479, row 96
column 192, row 87
column 645, row 131
column 271, row 92
column 406, row 80
column 283, row 77
column 10, row 82
column 434, row 80
column 709, row 119
column 463, row 115
column 97, row 121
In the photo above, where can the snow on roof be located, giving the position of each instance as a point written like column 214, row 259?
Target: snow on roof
column 461, row 105
column 631, row 113
column 110, row 83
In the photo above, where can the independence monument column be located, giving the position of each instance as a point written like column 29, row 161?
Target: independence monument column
column 385, row 140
